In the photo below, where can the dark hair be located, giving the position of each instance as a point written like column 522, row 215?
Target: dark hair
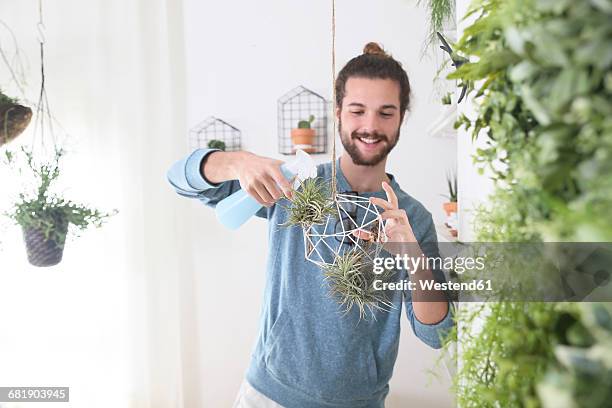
column 374, row 63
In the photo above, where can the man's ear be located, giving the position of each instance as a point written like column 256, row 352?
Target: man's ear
column 338, row 110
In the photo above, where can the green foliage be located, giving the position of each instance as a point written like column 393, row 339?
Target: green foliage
column 545, row 105
column 451, row 179
column 6, row 100
column 540, row 71
column 311, row 203
column 216, row 144
column 46, row 211
column 440, row 12
column 502, row 363
column 582, row 376
column 305, row 124
column 447, row 99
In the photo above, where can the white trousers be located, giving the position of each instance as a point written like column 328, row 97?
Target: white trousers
column 249, row 397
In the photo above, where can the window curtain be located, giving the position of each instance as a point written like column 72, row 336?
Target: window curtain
column 115, row 321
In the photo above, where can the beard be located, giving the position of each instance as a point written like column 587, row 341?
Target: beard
column 348, row 141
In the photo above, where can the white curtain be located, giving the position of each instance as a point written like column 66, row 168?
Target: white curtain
column 115, row 321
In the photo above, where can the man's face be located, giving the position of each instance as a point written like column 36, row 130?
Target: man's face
column 369, row 119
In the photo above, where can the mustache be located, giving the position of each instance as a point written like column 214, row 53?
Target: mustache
column 376, row 136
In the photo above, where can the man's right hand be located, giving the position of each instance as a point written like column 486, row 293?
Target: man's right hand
column 261, row 177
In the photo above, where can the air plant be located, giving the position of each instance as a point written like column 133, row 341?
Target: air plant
column 311, row 204
column 351, row 279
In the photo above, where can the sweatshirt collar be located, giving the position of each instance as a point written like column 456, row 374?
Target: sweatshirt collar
column 344, row 186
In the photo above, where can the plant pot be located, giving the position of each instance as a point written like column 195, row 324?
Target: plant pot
column 450, row 207
column 13, row 120
column 303, row 139
column 42, row 251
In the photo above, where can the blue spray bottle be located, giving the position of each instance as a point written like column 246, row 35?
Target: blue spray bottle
column 235, row 210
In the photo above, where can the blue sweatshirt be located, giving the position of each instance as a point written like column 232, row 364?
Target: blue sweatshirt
column 308, row 354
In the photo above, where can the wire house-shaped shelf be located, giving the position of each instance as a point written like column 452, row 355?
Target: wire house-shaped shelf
column 213, row 128
column 296, row 105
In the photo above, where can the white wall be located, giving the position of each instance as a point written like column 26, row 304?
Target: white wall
column 242, row 56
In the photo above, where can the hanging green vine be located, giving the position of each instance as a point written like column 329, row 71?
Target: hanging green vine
column 540, row 74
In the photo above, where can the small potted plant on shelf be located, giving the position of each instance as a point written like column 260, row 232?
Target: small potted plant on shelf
column 14, row 118
column 303, row 136
column 450, row 207
column 216, row 144
column 45, row 217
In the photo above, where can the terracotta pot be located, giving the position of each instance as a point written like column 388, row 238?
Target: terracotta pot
column 450, row 207
column 13, row 120
column 303, row 139
column 42, row 251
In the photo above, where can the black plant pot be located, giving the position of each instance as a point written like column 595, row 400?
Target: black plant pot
column 42, row 251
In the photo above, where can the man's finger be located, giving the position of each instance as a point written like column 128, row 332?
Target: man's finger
column 263, row 193
column 398, row 215
column 283, row 183
column 273, row 188
column 381, row 203
column 361, row 234
column 391, row 197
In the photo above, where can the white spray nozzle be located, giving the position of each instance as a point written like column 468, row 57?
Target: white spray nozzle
column 301, row 166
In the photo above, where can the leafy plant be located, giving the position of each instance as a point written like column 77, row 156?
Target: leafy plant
column 47, row 212
column 451, row 180
column 6, row 100
column 583, row 375
column 311, row 203
column 447, row 99
column 540, row 71
column 305, row 124
column 440, row 13
column 216, row 144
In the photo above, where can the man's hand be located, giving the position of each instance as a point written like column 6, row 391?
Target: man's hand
column 397, row 227
column 262, row 178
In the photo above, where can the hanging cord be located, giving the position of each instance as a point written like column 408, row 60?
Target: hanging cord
column 333, row 187
column 42, row 108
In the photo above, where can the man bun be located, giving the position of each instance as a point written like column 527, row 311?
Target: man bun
column 373, row 48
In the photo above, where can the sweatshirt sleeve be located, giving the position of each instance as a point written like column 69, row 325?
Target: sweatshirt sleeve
column 187, row 180
column 430, row 334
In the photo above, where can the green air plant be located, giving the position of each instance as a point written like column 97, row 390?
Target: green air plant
column 305, row 124
column 216, row 144
column 44, row 216
column 311, row 203
column 351, row 282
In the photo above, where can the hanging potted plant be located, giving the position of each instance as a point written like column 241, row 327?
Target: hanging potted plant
column 46, row 217
column 14, row 118
column 450, row 207
column 303, row 136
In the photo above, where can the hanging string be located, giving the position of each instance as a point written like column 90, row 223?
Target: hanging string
column 333, row 187
column 42, row 108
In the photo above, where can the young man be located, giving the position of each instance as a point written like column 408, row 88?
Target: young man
column 308, row 355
